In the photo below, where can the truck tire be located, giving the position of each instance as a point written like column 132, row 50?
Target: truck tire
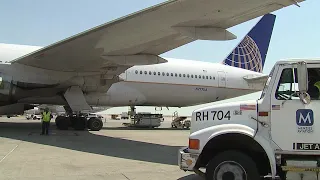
column 95, row 124
column 229, row 164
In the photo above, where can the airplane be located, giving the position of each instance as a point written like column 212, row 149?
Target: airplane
column 189, row 76
column 193, row 75
column 118, row 63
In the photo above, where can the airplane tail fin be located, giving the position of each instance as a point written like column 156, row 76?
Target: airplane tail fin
column 251, row 52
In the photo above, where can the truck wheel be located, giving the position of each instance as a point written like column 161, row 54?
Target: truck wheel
column 231, row 165
column 95, row 124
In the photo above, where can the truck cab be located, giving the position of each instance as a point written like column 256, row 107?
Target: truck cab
column 273, row 137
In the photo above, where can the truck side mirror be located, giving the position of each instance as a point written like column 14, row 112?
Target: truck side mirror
column 302, row 71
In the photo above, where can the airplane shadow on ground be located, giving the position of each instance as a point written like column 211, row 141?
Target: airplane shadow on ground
column 146, row 128
column 86, row 141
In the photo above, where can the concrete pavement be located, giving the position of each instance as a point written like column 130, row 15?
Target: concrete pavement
column 114, row 153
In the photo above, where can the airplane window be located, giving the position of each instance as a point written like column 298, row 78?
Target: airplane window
column 154, row 73
column 213, row 78
column 150, row 72
column 171, row 74
column 203, row 77
column 136, row 71
column 199, row 77
column 167, row 74
column 210, row 77
column 206, row 77
column 184, row 75
column 188, row 75
column 175, row 74
column 140, row 72
column 179, row 75
column 159, row 74
column 191, row 75
column 195, row 76
column 145, row 72
column 163, row 74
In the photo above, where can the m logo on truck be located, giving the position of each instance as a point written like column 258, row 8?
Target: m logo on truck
column 304, row 120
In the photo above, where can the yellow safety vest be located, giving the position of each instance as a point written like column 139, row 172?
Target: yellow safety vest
column 317, row 84
column 46, row 116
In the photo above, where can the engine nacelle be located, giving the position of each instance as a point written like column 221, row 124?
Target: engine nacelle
column 7, row 90
column 15, row 109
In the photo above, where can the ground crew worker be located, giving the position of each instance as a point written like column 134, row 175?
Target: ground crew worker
column 314, row 85
column 317, row 84
column 46, row 117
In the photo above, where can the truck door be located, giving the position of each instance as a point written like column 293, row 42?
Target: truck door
column 295, row 126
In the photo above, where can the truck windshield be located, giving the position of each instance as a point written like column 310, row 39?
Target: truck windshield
column 267, row 84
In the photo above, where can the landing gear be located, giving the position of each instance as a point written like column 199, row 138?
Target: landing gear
column 132, row 112
column 62, row 122
column 76, row 104
column 95, row 124
column 79, row 123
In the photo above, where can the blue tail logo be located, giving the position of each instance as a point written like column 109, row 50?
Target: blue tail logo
column 251, row 52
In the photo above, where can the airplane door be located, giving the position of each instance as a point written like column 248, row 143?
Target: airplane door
column 221, row 79
column 294, row 125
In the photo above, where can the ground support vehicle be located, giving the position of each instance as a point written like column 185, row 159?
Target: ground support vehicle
column 145, row 120
column 273, row 137
column 36, row 116
column 181, row 122
column 28, row 116
column 124, row 115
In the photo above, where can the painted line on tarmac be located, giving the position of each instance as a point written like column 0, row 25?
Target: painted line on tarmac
column 8, row 153
column 125, row 176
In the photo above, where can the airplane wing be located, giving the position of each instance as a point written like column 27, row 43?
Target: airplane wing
column 141, row 37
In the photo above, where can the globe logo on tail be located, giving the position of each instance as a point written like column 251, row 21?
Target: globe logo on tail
column 246, row 55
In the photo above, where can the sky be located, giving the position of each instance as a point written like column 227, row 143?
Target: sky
column 40, row 23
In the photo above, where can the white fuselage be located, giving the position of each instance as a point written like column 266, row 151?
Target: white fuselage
column 176, row 83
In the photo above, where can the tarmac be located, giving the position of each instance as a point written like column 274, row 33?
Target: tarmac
column 113, row 153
